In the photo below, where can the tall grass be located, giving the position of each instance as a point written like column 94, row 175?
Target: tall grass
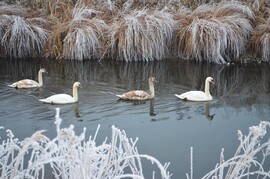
column 73, row 156
column 245, row 162
column 134, row 30
column 21, row 35
column 216, row 33
column 81, row 37
column 141, row 35
column 24, row 37
column 261, row 41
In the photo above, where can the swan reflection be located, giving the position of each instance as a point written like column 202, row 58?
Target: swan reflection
column 151, row 109
column 195, row 107
column 207, row 111
column 76, row 110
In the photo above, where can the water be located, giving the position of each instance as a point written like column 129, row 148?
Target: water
column 166, row 126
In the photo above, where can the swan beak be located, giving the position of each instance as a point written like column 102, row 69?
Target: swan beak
column 213, row 82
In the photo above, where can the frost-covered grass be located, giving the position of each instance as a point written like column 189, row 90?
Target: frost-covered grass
column 80, row 37
column 20, row 34
column 142, row 35
column 246, row 161
column 24, row 37
column 216, row 33
column 74, row 156
column 261, row 41
column 141, row 30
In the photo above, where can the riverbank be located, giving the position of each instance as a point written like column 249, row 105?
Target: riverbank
column 136, row 30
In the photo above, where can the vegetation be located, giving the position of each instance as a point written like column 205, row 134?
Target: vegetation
column 245, row 163
column 133, row 30
column 72, row 156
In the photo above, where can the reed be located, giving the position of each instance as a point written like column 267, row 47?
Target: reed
column 260, row 41
column 23, row 37
column 85, row 36
column 245, row 162
column 73, row 156
column 141, row 35
column 7, row 9
column 216, row 33
column 80, row 37
column 134, row 30
column 22, row 32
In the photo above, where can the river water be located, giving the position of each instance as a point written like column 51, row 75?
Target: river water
column 166, row 126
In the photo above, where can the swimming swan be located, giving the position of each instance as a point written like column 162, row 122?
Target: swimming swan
column 198, row 95
column 139, row 94
column 27, row 83
column 63, row 98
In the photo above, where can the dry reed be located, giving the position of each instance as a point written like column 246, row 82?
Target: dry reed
column 141, row 35
column 215, row 33
column 22, row 32
column 79, row 38
column 23, row 37
column 260, row 41
column 203, row 30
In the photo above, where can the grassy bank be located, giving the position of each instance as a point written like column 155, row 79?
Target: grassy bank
column 136, row 30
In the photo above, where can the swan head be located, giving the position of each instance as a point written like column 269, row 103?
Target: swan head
column 77, row 84
column 152, row 79
column 43, row 70
column 210, row 80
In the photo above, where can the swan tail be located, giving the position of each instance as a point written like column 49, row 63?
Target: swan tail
column 119, row 96
column 44, row 101
column 14, row 85
column 179, row 96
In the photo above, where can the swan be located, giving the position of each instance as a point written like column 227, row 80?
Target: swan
column 198, row 95
column 63, row 98
column 139, row 94
column 27, row 83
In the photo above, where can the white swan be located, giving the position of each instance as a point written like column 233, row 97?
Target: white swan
column 198, row 95
column 63, row 98
column 27, row 83
column 139, row 94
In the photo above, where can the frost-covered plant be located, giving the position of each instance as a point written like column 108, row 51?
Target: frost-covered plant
column 260, row 41
column 245, row 163
column 216, row 33
column 81, row 37
column 72, row 156
column 142, row 35
column 23, row 37
column 8, row 9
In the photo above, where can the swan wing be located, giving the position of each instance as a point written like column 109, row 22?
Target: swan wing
column 194, row 96
column 59, row 99
column 134, row 95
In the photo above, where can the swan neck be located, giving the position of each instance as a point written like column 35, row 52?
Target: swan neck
column 75, row 93
column 206, row 89
column 40, row 79
column 151, row 89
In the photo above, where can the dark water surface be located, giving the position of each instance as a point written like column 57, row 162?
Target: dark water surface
column 166, row 127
